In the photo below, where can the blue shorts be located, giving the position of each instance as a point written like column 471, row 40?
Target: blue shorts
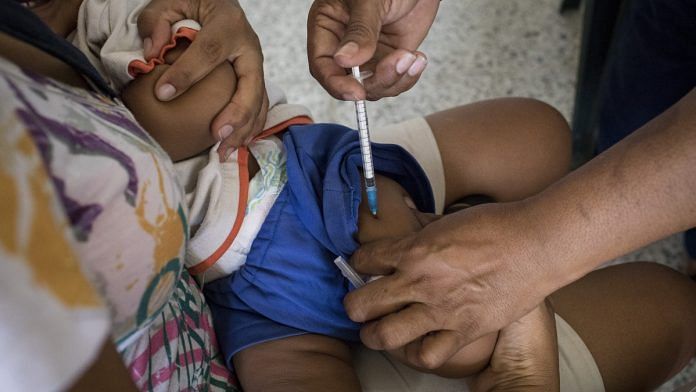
column 289, row 285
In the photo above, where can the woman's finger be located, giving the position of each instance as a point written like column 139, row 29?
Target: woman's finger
column 399, row 328
column 245, row 136
column 382, row 257
column 395, row 74
column 359, row 42
column 245, row 115
column 378, row 298
column 433, row 349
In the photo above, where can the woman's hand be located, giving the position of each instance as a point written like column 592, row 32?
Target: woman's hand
column 225, row 36
column 463, row 276
column 382, row 35
column 525, row 357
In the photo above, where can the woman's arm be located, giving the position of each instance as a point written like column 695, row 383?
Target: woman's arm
column 489, row 265
column 637, row 192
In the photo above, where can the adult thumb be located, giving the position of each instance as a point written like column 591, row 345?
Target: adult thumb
column 359, row 42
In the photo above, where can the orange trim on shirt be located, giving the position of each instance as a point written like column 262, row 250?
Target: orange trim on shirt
column 243, row 160
column 299, row 120
column 139, row 67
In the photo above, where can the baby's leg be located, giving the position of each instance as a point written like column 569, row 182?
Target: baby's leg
column 636, row 319
column 299, row 363
column 508, row 148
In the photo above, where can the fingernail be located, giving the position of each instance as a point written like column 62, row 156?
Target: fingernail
column 225, row 132
column 165, row 92
column 147, row 46
column 348, row 50
column 366, row 74
column 404, row 63
column 418, row 66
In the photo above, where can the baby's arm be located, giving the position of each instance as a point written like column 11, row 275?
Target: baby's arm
column 299, row 363
column 397, row 219
column 181, row 126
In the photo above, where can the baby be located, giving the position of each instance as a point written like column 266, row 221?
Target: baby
column 268, row 222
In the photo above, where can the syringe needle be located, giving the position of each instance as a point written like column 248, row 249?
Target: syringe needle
column 366, row 149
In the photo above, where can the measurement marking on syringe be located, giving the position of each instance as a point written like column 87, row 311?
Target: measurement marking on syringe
column 365, row 149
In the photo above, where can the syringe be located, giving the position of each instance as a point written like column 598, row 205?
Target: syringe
column 366, row 149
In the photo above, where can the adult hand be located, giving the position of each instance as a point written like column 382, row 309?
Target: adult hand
column 465, row 275
column 380, row 35
column 525, row 357
column 225, row 36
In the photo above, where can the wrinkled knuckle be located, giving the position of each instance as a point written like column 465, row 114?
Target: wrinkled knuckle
column 243, row 115
column 385, row 337
column 352, row 308
column 182, row 78
column 470, row 327
column 421, row 280
column 419, row 248
column 212, row 49
column 356, row 261
column 359, row 28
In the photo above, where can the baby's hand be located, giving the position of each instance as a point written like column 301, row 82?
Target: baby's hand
column 225, row 36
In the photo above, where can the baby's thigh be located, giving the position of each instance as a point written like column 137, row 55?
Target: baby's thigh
column 507, row 148
column 305, row 362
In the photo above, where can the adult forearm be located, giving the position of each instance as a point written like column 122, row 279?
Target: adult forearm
column 637, row 192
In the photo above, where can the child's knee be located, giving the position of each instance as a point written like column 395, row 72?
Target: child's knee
column 548, row 131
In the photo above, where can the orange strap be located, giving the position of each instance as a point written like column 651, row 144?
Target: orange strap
column 139, row 67
column 243, row 159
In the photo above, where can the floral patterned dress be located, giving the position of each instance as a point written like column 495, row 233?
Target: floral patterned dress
column 93, row 231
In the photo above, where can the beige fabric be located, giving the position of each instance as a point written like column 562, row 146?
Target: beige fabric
column 379, row 373
column 417, row 138
column 579, row 371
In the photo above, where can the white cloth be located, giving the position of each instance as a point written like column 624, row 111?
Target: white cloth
column 50, row 330
column 416, row 137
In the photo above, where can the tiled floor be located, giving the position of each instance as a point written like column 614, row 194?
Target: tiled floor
column 477, row 49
